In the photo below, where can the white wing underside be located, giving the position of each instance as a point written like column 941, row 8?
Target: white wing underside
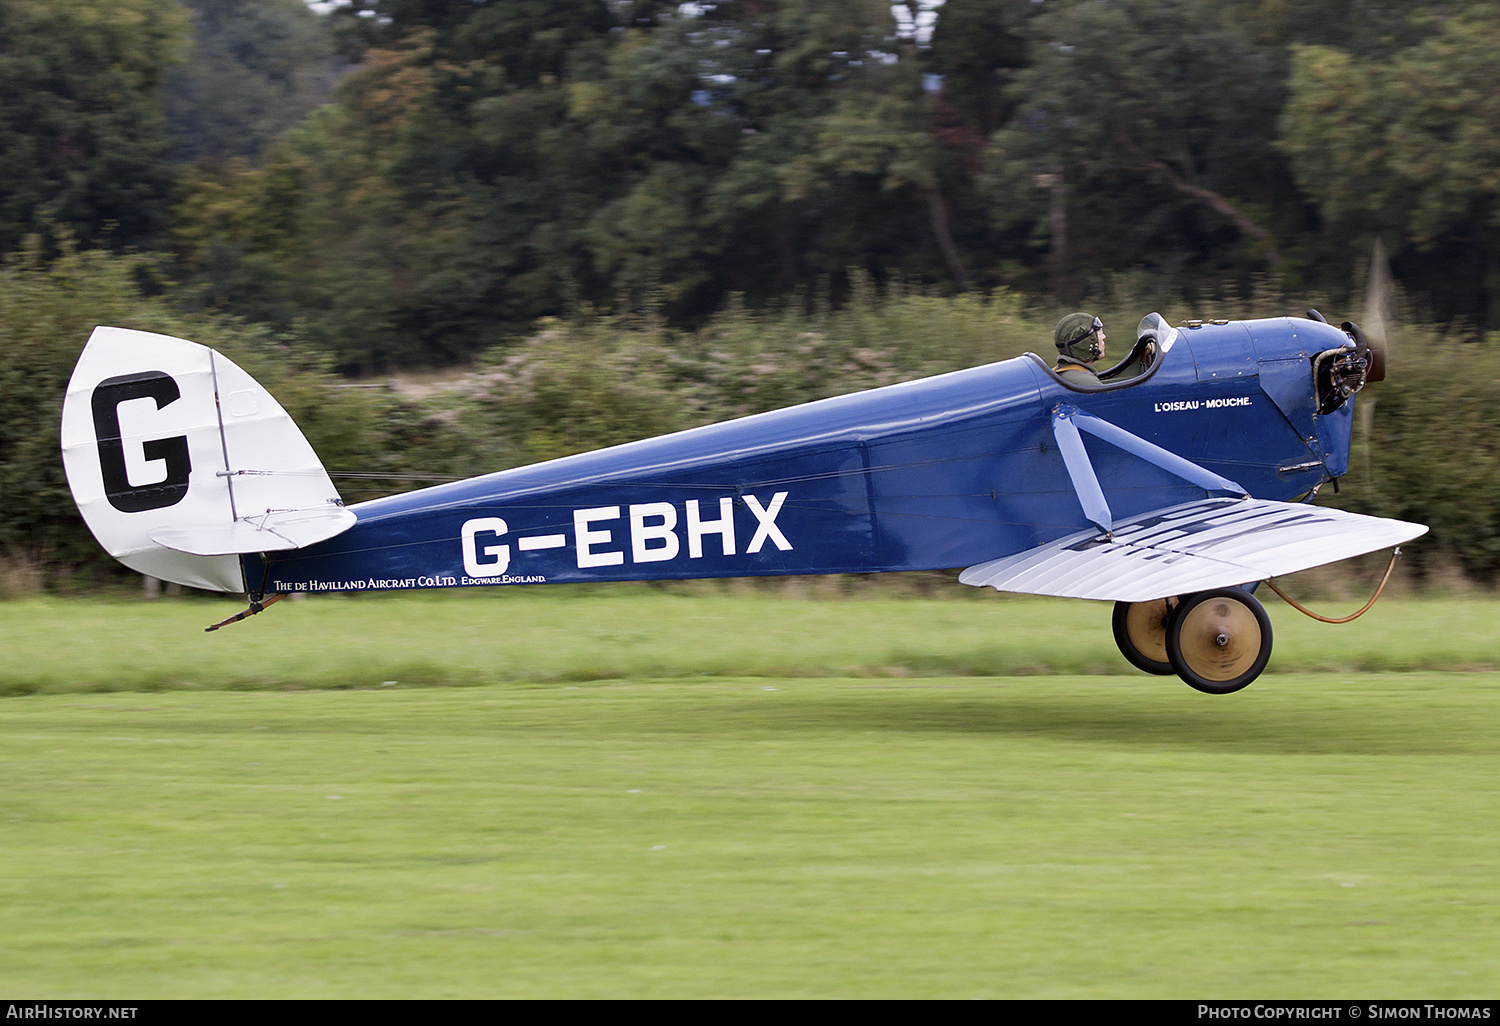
column 1211, row 543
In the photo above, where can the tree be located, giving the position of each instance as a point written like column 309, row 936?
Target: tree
column 1408, row 145
column 978, row 46
column 81, row 140
column 253, row 69
column 1145, row 135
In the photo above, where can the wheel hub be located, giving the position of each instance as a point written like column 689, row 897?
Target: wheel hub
column 1220, row 639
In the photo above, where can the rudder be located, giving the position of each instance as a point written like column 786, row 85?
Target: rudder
column 179, row 461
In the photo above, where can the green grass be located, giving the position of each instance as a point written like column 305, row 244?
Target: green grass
column 780, row 831
column 549, row 635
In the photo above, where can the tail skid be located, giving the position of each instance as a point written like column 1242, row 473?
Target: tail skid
column 180, row 462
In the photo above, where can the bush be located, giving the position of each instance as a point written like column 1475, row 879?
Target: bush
column 47, row 312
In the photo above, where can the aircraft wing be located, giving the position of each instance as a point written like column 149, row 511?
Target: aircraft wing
column 1210, row 543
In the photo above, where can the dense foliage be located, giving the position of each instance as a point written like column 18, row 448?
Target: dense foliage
column 252, row 71
column 486, row 164
column 81, row 133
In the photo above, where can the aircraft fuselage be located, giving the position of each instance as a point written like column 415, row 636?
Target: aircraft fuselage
column 942, row 472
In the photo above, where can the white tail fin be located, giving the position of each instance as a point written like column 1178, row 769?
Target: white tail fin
column 179, row 461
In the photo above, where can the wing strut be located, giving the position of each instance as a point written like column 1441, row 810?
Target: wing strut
column 1085, row 481
column 1068, row 420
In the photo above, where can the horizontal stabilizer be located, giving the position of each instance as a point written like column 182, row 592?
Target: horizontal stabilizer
column 1210, row 543
column 269, row 532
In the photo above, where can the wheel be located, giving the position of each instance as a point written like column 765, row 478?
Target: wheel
column 1141, row 633
column 1219, row 641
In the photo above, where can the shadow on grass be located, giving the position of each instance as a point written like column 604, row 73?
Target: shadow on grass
column 1400, row 715
column 1281, row 725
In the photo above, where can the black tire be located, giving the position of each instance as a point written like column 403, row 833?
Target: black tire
column 1141, row 633
column 1219, row 641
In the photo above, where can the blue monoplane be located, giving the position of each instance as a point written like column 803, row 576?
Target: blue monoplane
column 1172, row 493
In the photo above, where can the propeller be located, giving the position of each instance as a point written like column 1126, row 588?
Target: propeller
column 1378, row 293
column 1350, row 372
column 1378, row 296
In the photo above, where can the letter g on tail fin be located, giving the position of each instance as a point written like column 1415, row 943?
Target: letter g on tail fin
column 107, row 398
column 179, row 461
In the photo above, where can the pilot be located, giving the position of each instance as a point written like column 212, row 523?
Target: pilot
column 1079, row 338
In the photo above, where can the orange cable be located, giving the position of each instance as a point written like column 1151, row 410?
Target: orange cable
column 1352, row 616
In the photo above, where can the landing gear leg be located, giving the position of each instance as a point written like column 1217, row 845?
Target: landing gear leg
column 1219, row 641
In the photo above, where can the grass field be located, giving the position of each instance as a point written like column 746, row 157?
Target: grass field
column 579, row 634
column 648, row 793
